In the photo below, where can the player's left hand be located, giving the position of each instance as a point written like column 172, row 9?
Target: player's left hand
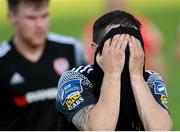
column 136, row 60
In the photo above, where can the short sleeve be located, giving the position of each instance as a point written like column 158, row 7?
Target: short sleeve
column 158, row 89
column 74, row 92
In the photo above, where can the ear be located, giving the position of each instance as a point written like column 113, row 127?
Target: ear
column 94, row 46
column 11, row 17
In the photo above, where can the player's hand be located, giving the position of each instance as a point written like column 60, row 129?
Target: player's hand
column 112, row 58
column 136, row 60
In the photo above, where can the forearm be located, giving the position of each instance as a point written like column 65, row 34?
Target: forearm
column 153, row 116
column 105, row 113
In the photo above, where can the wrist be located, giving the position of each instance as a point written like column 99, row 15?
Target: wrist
column 112, row 74
column 137, row 77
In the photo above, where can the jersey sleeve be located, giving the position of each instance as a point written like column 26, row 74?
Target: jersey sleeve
column 75, row 92
column 158, row 89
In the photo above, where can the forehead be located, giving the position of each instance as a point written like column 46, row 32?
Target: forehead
column 28, row 7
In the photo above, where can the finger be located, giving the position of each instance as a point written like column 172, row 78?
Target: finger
column 140, row 48
column 114, row 41
column 124, row 43
column 120, row 40
column 131, row 46
column 98, row 57
column 134, row 45
column 139, row 44
column 106, row 45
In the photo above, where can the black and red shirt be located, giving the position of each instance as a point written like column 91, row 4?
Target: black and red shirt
column 28, row 89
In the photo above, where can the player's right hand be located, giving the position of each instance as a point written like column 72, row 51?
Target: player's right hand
column 112, row 58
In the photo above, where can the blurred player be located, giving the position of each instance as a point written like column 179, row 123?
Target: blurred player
column 31, row 63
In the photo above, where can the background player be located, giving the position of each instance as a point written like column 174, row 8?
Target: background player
column 31, row 63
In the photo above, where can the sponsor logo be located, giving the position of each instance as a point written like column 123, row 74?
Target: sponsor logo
column 16, row 79
column 74, row 101
column 70, row 94
column 61, row 65
column 20, row 101
column 159, row 88
column 35, row 96
column 69, row 89
column 164, row 100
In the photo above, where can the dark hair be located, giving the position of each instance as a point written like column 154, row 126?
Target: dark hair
column 115, row 17
column 13, row 4
column 128, row 109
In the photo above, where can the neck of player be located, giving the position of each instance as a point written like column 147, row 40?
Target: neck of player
column 29, row 51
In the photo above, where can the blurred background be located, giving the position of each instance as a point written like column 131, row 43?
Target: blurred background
column 70, row 17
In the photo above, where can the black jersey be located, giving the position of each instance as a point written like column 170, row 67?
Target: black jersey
column 28, row 90
column 76, row 91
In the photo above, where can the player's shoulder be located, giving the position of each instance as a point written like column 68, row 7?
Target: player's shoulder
column 82, row 73
column 78, row 72
column 62, row 40
column 5, row 47
column 84, row 69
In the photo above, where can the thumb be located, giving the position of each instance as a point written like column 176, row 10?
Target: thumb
column 98, row 58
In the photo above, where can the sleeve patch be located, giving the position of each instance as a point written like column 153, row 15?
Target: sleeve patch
column 70, row 94
column 160, row 88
